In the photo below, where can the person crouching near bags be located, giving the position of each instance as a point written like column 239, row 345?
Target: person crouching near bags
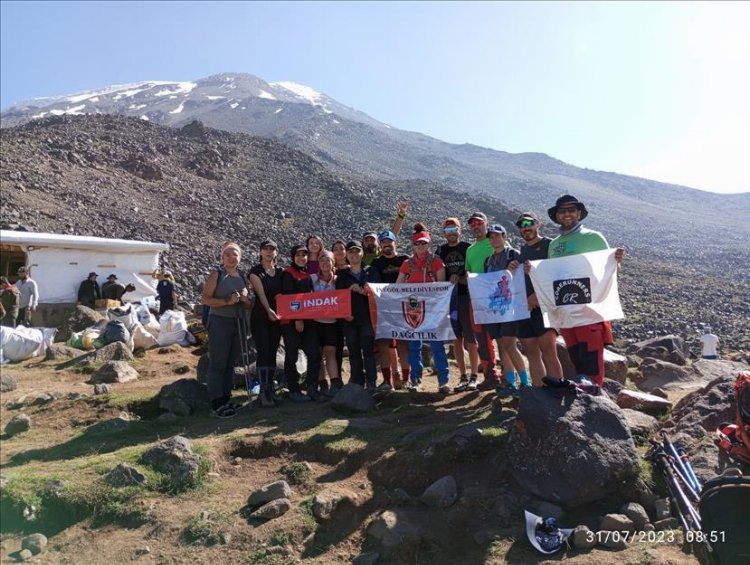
column 358, row 331
column 299, row 333
column 226, row 294
column 265, row 278
column 424, row 267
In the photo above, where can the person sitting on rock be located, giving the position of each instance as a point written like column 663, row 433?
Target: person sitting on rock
column 89, row 291
column 709, row 344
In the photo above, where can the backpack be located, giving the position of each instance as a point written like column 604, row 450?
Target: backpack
column 427, row 271
column 723, row 510
column 734, row 439
column 206, row 310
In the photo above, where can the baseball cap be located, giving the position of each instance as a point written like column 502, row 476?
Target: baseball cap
column 22, row 270
column 528, row 216
column 268, row 243
column 496, row 228
column 297, row 248
column 481, row 216
column 112, row 276
column 387, row 234
column 93, row 274
column 452, row 222
column 369, row 234
column 354, row 244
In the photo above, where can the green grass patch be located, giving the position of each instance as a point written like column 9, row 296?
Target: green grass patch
column 200, row 531
column 305, row 509
column 297, row 472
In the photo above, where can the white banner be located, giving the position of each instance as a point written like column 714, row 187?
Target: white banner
column 577, row 290
column 498, row 297
column 413, row 312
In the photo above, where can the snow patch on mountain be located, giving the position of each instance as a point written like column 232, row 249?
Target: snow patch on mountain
column 266, row 95
column 179, row 108
column 309, row 94
column 177, row 88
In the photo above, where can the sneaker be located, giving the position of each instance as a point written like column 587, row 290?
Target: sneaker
column 335, row 388
column 226, row 411
column 488, row 384
column 472, row 382
column 444, row 389
column 463, row 384
column 413, row 387
column 505, row 390
column 298, row 397
column 385, row 385
column 255, row 388
column 583, row 380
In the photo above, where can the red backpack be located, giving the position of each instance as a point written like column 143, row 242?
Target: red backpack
column 734, row 439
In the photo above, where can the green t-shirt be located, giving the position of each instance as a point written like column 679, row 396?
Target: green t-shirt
column 579, row 241
column 477, row 254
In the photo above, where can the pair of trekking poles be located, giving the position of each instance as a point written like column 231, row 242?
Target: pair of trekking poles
column 267, row 392
column 682, row 483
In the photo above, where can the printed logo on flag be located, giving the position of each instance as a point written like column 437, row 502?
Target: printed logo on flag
column 500, row 299
column 295, row 305
column 572, row 291
column 414, row 311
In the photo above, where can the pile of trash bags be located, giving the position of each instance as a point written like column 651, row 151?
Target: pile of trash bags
column 135, row 326
column 20, row 343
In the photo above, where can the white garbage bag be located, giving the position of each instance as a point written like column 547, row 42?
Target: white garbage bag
column 172, row 328
column 142, row 338
column 18, row 344
column 126, row 314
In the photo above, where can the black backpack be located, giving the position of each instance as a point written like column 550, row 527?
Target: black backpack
column 725, row 509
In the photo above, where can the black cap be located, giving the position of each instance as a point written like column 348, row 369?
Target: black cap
column 112, row 276
column 477, row 216
column 369, row 234
column 297, row 248
column 268, row 243
column 93, row 274
column 566, row 199
column 353, row 243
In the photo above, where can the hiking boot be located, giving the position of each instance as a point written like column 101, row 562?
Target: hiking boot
column 583, row 380
column 266, row 399
column 505, row 390
column 472, row 382
column 226, row 411
column 298, row 397
column 444, row 389
column 488, row 384
column 386, row 386
column 463, row 384
column 398, row 384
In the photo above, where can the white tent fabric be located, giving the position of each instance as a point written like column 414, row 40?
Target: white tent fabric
column 60, row 262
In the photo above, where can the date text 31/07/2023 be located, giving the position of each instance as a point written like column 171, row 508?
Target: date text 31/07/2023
column 663, row 536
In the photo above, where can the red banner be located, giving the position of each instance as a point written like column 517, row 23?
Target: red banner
column 325, row 305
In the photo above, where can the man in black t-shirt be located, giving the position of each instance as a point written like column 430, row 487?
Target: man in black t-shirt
column 539, row 342
column 391, row 353
column 453, row 254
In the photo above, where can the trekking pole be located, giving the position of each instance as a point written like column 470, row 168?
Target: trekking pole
column 244, row 351
column 678, row 495
column 670, row 449
column 685, row 482
column 686, row 461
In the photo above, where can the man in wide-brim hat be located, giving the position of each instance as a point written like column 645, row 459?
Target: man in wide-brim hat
column 585, row 344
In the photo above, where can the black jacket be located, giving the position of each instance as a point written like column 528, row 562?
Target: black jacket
column 360, row 304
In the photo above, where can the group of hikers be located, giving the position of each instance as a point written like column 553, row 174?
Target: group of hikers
column 350, row 265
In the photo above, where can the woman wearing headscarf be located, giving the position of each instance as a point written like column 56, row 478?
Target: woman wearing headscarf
column 226, row 294
column 423, row 267
column 265, row 278
column 299, row 333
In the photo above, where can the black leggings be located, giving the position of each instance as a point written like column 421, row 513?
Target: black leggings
column 267, row 336
column 293, row 342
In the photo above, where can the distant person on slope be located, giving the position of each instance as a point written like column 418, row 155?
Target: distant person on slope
column 89, row 291
column 710, row 344
column 585, row 344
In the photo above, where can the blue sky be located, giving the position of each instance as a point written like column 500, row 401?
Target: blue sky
column 657, row 90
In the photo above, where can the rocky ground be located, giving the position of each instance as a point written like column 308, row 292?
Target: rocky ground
column 398, row 478
column 195, row 188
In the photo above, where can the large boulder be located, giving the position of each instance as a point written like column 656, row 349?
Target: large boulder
column 642, row 401
column 353, row 398
column 394, row 529
column 571, row 451
column 183, row 397
column 116, row 351
column 18, row 424
column 114, row 372
column 442, row 493
column 58, row 351
column 175, row 458
column 8, row 383
column 82, row 317
column 663, row 374
column 326, row 502
column 669, row 343
column 125, row 475
column 269, row 492
column 640, row 424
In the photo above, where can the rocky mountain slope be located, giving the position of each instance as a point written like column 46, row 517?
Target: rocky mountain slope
column 665, row 220
column 196, row 187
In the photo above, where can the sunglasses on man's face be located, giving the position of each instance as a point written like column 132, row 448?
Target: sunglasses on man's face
column 420, row 243
column 450, row 229
column 568, row 210
column 526, row 223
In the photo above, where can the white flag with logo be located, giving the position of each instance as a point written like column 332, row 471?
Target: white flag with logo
column 413, row 312
column 578, row 289
column 498, row 297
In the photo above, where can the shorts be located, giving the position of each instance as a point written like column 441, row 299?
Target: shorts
column 329, row 335
column 463, row 328
column 506, row 329
column 532, row 327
